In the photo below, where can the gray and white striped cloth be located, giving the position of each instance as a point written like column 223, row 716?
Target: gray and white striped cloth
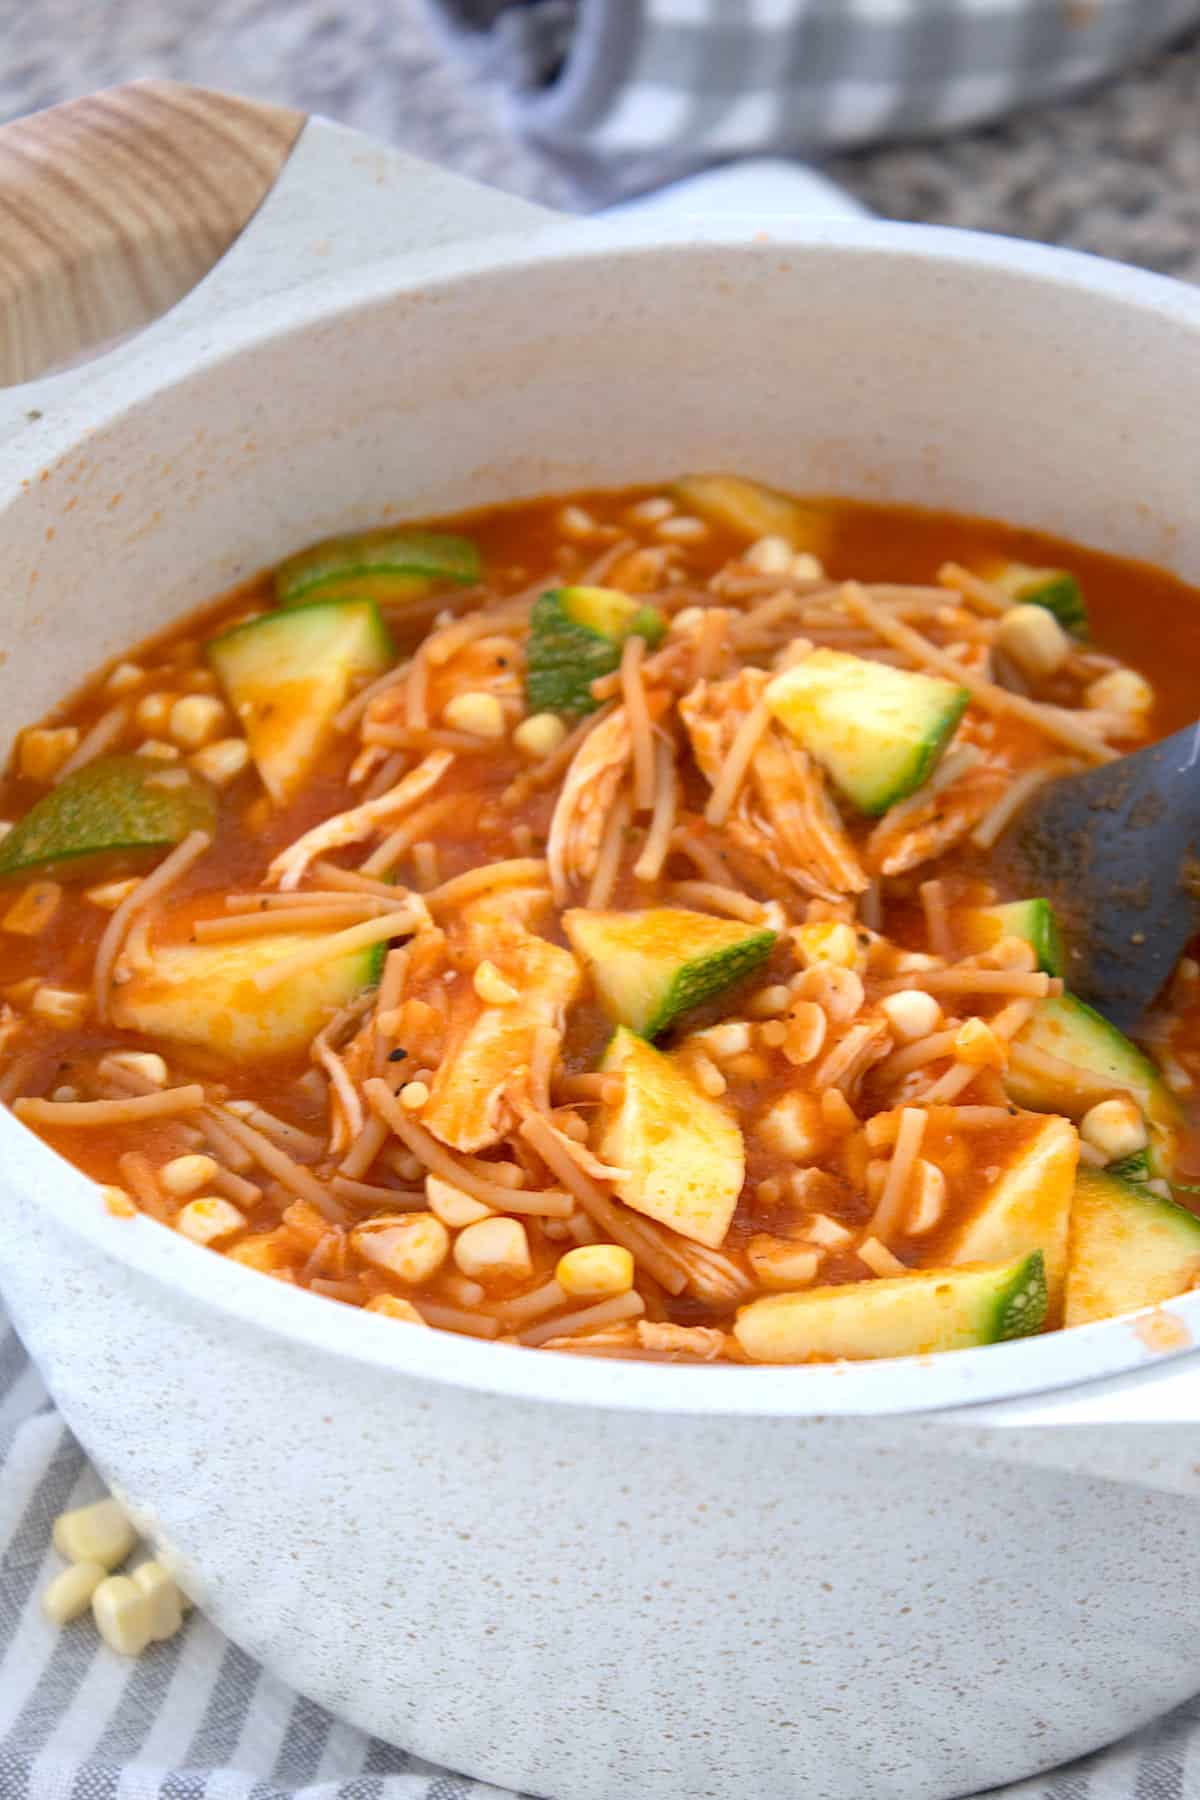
column 624, row 94
column 197, row 1719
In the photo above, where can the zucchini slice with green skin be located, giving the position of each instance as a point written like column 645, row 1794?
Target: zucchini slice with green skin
column 1068, row 1057
column 1027, row 1208
column 287, row 673
column 576, row 634
column 680, row 1153
column 204, row 994
column 754, row 511
column 119, row 811
column 1127, row 1249
column 1055, row 589
column 385, row 566
column 1033, row 920
column 902, row 1315
column 877, row 731
column 649, row 967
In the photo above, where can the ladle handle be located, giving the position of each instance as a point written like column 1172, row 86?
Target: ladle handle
column 112, row 207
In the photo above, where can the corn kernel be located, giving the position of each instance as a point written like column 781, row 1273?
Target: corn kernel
column 770, row 556
column 70, row 1593
column 221, row 762
column 838, row 992
column 927, row 1197
column 879, row 1259
column 64, row 1007
column 1124, row 690
column 163, row 1599
column 976, row 1043
column 494, row 1249
column 412, row 1247
column 125, row 677
column 1114, row 1127
column 827, row 941
column 262, row 1251
column 158, row 750
column 1034, row 639
column 33, row 910
column 804, row 1032
column 911, row 1014
column 491, row 986
column 110, row 894
column 209, row 1218
column 117, row 1202
column 414, row 1095
column 540, row 735
column 732, row 1038
column 100, row 1533
column 391, row 1307
column 479, row 713
column 780, row 1264
column 186, row 1175
column 43, row 751
column 123, row 1615
column 793, row 1127
column 826, row 1232
column 595, row 1271
column 454, row 1208
column 195, row 720
column 153, row 711
column 146, row 1063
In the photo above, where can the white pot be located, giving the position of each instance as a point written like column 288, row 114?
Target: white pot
column 587, row 1579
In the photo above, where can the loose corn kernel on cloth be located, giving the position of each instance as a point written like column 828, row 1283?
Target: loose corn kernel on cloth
column 196, row 1719
column 621, row 95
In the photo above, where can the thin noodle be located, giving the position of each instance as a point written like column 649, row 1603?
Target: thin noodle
column 416, row 690
column 708, row 861
column 917, row 1055
column 228, row 1148
column 649, row 864
column 137, row 1174
column 588, row 1318
column 289, row 1137
column 449, row 1318
column 633, row 692
column 516, row 870
column 224, row 1181
column 608, row 857
column 391, row 770
column 717, row 898
column 909, row 1136
column 365, row 1149
column 1013, row 799
column 961, row 980
column 620, row 1226
column 166, row 1103
column 288, row 1173
column 352, row 1115
column 937, row 918
column 369, row 1193
column 989, row 598
column 440, row 1161
column 429, row 817
column 354, row 709
column 149, row 889
column 272, row 921
column 352, row 882
column 709, row 649
column 337, row 944
column 1049, row 720
column 737, row 762
column 93, row 743
column 541, row 1062
column 428, row 737
column 534, row 1305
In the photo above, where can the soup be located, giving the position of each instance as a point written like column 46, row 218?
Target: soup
column 575, row 925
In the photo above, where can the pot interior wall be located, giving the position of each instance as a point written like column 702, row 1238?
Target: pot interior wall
column 833, row 367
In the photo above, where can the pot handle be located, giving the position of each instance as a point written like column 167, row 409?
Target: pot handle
column 114, row 207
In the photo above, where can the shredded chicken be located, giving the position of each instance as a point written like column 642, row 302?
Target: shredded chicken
column 487, row 1045
column 589, row 789
column 783, row 812
column 359, row 822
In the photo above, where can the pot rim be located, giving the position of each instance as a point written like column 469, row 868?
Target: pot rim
column 1058, row 1360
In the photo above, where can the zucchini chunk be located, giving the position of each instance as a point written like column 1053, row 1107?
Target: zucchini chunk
column 1127, row 1249
column 287, row 674
column 649, row 967
column 1033, row 920
column 681, row 1154
column 1055, row 589
column 1027, row 1208
column 878, row 731
column 902, row 1315
column 204, row 994
column 117, row 811
column 385, row 566
column 576, row 634
column 754, row 511
column 1068, row 1057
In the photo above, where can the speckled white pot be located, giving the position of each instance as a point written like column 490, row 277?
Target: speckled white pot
column 591, row 1580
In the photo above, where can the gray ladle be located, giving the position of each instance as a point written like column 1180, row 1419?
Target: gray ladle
column 1117, row 852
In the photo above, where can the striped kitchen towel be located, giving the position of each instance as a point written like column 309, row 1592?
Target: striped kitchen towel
column 625, row 94
column 197, row 1719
